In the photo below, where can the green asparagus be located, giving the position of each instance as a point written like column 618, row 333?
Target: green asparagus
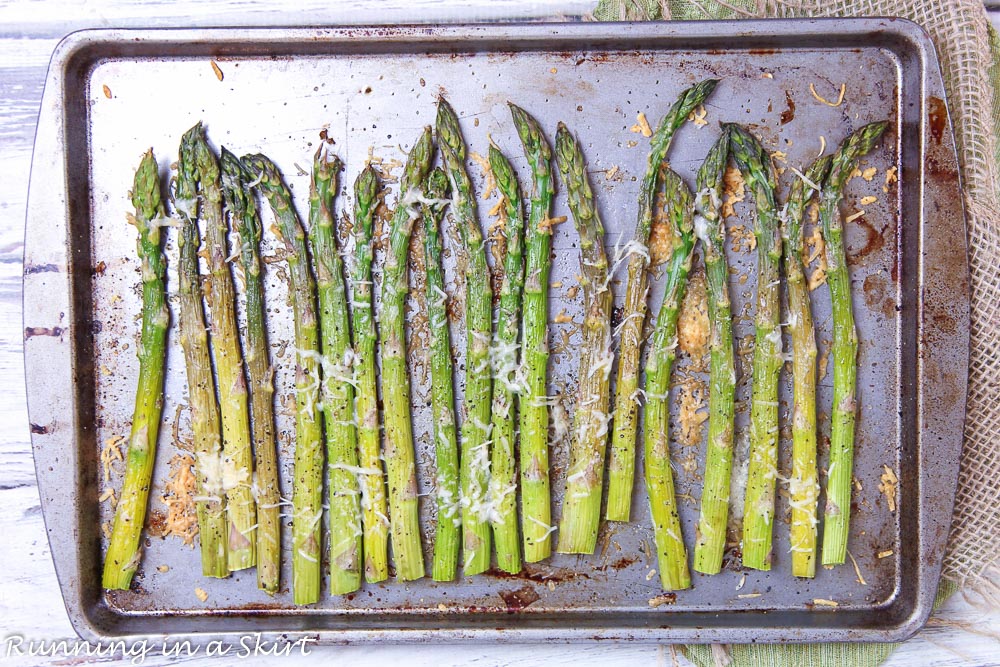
column 837, row 516
column 475, row 454
column 758, row 507
column 503, row 469
column 803, row 486
column 204, row 406
column 670, row 550
column 709, row 227
column 536, row 509
column 246, row 222
column 375, row 523
column 585, row 477
column 337, row 389
column 449, row 517
column 621, row 467
column 123, row 553
column 220, row 296
column 399, row 452
column 307, row 489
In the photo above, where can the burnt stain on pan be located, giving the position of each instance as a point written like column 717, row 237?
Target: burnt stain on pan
column 518, row 599
column 621, row 563
column 878, row 296
column 556, row 576
column 874, row 240
column 937, row 117
column 789, row 113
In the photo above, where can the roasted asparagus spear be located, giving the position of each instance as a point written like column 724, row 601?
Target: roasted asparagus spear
column 536, row 509
column 803, row 486
column 758, row 507
column 242, row 206
column 375, row 520
column 710, row 228
column 213, row 523
column 837, row 516
column 400, row 460
column 123, row 553
column 475, row 454
column 670, row 550
column 220, row 296
column 337, row 389
column 307, row 489
column 585, row 477
column 621, row 467
column 447, row 490
column 503, row 483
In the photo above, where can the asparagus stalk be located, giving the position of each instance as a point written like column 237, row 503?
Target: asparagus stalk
column 246, row 221
column 204, row 406
column 621, row 467
column 503, row 468
column 475, row 454
column 670, row 550
column 375, row 524
column 585, row 479
column 399, row 453
column 837, row 516
column 758, row 506
column 123, row 553
column 449, row 517
column 709, row 227
column 220, row 296
column 803, row 486
column 533, row 417
column 307, row 490
column 337, row 389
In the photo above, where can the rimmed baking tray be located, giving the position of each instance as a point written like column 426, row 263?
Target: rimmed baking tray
column 111, row 94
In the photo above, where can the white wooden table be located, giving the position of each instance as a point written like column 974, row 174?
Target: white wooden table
column 30, row 604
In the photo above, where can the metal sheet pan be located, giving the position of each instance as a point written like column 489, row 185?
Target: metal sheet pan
column 111, row 94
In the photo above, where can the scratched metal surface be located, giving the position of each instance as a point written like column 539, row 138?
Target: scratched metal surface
column 375, row 89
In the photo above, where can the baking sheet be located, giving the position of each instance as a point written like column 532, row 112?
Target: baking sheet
column 375, row 88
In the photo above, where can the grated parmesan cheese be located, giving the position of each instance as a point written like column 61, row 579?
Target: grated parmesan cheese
column 820, row 98
column 490, row 181
column 179, row 497
column 817, row 251
column 546, row 225
column 693, row 329
column 857, row 570
column 111, row 452
column 660, row 600
column 642, row 126
column 889, row 486
column 734, row 190
column 697, row 116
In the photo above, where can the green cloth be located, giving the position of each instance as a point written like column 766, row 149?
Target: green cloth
column 778, row 655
